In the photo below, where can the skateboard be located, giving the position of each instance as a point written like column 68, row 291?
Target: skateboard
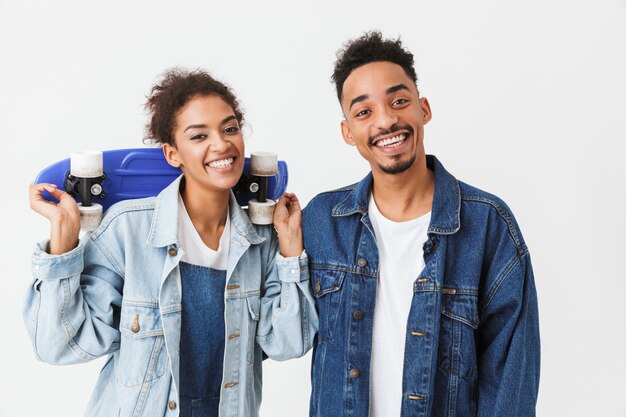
column 98, row 180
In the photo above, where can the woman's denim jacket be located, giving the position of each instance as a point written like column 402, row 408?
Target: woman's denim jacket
column 472, row 334
column 119, row 294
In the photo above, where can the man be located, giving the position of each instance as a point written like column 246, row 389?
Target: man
column 423, row 284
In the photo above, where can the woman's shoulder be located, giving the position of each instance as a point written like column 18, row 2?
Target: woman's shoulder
column 127, row 213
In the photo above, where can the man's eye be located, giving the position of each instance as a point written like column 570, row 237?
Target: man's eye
column 400, row 101
column 362, row 113
column 198, row 136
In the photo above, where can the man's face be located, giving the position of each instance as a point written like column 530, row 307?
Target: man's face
column 385, row 117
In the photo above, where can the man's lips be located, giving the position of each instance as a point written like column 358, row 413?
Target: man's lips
column 391, row 140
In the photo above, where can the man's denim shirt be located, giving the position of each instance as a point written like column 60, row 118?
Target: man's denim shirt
column 119, row 294
column 472, row 334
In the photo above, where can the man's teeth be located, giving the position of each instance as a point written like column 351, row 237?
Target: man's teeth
column 222, row 163
column 391, row 141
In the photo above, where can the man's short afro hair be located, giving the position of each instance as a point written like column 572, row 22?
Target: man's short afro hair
column 371, row 47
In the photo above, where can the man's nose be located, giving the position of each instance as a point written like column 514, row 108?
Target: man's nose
column 385, row 118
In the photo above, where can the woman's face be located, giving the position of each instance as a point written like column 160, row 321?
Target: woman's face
column 209, row 144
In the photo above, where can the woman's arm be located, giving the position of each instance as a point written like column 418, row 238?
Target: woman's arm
column 72, row 307
column 288, row 320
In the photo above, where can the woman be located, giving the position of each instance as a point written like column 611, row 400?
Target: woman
column 182, row 292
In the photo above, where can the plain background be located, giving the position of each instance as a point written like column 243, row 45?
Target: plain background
column 528, row 102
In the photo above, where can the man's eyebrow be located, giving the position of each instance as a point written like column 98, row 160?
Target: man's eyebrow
column 395, row 88
column 358, row 99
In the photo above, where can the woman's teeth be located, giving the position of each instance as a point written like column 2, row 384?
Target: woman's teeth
column 222, row 163
column 394, row 141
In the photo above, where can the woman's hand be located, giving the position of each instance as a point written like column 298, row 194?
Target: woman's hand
column 288, row 225
column 64, row 216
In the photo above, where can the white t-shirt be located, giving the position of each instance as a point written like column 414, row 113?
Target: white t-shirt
column 196, row 252
column 401, row 259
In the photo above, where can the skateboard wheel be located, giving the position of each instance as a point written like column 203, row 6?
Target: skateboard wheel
column 87, row 164
column 90, row 216
column 261, row 213
column 263, row 164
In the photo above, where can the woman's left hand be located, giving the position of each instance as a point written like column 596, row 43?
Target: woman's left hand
column 288, row 224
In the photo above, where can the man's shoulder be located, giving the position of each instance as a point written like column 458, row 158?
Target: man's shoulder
column 482, row 205
column 472, row 194
column 326, row 200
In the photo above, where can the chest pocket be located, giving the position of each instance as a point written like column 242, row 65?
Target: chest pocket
column 141, row 357
column 327, row 290
column 459, row 321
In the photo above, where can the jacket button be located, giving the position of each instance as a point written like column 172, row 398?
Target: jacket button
column 354, row 373
column 357, row 315
column 172, row 252
column 171, row 405
column 135, row 326
column 362, row 262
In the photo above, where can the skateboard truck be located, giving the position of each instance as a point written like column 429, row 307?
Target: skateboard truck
column 85, row 181
column 262, row 166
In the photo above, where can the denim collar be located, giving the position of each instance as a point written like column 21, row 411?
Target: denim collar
column 164, row 228
column 445, row 215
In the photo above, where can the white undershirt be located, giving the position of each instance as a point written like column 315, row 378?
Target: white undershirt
column 196, row 252
column 401, row 259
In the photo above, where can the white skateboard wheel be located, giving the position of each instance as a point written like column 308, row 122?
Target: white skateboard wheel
column 261, row 213
column 90, row 217
column 263, row 164
column 87, row 164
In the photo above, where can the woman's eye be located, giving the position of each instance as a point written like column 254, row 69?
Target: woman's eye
column 231, row 129
column 198, row 136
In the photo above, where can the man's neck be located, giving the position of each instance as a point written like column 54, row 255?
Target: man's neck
column 407, row 195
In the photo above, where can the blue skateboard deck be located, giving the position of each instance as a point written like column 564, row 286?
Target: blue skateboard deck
column 144, row 172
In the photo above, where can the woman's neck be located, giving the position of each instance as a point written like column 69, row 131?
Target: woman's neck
column 208, row 211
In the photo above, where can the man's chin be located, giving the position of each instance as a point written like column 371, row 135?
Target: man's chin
column 398, row 167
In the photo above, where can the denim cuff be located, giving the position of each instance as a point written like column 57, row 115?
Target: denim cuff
column 48, row 267
column 292, row 268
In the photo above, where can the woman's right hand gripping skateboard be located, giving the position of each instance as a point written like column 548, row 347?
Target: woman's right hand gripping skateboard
column 64, row 216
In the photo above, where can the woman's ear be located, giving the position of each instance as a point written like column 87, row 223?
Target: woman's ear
column 171, row 155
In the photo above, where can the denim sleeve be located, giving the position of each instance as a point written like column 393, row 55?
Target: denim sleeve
column 71, row 309
column 509, row 336
column 288, row 320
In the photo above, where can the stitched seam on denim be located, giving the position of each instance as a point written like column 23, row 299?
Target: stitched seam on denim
column 459, row 318
column 104, row 250
column 145, row 385
column 68, row 326
column 305, row 324
column 34, row 320
column 140, row 303
column 508, row 269
column 356, row 271
column 521, row 247
column 244, row 294
column 112, row 216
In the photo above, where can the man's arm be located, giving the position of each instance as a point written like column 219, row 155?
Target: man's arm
column 509, row 351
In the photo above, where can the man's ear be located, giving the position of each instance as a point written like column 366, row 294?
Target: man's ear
column 171, row 155
column 426, row 112
column 346, row 133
